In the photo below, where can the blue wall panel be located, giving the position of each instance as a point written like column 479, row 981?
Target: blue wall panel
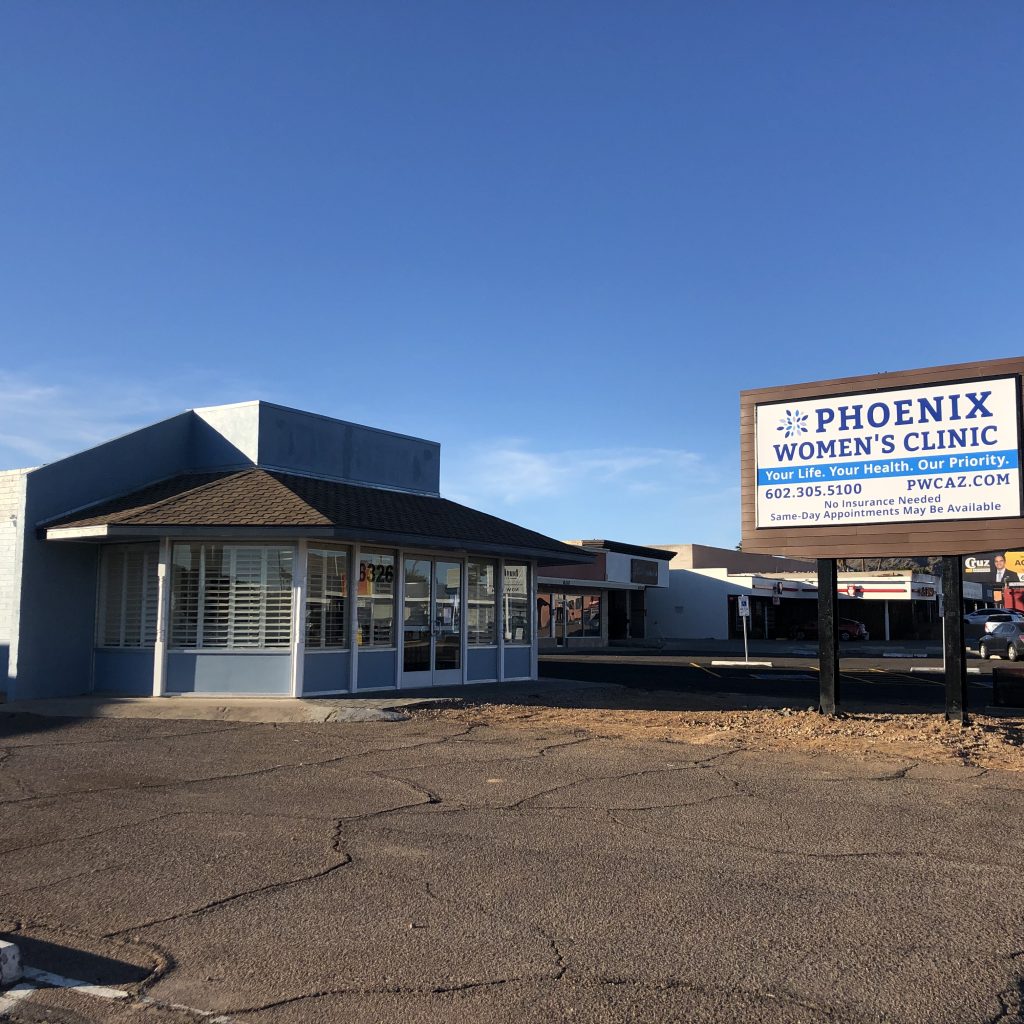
column 129, row 672
column 518, row 662
column 303, row 442
column 325, row 671
column 481, row 664
column 377, row 668
column 235, row 673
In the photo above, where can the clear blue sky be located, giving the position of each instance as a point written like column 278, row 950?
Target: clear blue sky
column 558, row 238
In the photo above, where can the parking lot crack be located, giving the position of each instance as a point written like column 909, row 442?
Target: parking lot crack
column 430, row 797
column 49, row 884
column 49, row 744
column 199, row 780
column 374, row 990
column 336, row 840
column 639, row 774
column 92, row 835
column 681, row 838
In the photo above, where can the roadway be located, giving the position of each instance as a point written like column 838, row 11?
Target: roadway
column 866, row 682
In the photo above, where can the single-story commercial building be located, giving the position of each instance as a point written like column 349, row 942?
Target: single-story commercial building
column 601, row 603
column 705, row 582
column 258, row 550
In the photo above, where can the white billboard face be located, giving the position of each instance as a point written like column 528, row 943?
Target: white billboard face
column 943, row 451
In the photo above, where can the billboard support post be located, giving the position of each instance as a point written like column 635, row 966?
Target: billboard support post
column 828, row 637
column 953, row 650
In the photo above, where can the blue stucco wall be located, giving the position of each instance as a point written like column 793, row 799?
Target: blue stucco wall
column 52, row 652
column 518, row 662
column 128, row 672
column 235, row 673
column 376, row 669
column 306, row 443
column 481, row 663
column 325, row 671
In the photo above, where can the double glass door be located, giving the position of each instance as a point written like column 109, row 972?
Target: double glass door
column 432, row 622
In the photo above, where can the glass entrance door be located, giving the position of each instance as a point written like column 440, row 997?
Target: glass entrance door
column 432, row 623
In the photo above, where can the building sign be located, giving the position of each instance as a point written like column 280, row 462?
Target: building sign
column 945, row 451
column 643, row 571
column 515, row 579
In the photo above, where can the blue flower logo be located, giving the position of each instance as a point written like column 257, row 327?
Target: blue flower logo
column 794, row 423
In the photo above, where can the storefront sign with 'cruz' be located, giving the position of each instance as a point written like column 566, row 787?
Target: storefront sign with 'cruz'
column 944, row 451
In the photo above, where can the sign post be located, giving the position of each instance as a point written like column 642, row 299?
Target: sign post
column 954, row 654
column 828, row 637
column 744, row 605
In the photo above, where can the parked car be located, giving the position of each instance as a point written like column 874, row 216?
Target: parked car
column 981, row 615
column 1006, row 640
column 994, row 620
column 849, row 629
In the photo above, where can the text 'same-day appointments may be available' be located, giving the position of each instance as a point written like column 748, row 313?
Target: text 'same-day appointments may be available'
column 945, row 451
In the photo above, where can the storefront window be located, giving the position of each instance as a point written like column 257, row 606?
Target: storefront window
column 482, row 598
column 375, row 606
column 591, row 614
column 516, row 603
column 573, row 615
column 231, row 596
column 326, row 598
column 545, row 615
column 129, row 590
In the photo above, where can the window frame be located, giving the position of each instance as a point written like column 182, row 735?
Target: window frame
column 505, row 613
column 200, row 625
column 321, row 549
column 370, row 600
column 148, row 597
column 475, row 603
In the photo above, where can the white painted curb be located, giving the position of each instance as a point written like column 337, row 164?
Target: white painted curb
column 924, row 669
column 742, row 664
column 10, row 963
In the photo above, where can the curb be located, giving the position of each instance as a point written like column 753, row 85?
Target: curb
column 741, row 664
column 937, row 670
column 10, row 963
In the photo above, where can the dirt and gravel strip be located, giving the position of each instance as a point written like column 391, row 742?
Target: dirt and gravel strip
column 987, row 742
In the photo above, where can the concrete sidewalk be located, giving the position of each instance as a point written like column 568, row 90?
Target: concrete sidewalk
column 268, row 710
column 222, row 709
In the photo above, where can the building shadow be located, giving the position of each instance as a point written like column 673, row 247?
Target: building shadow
column 73, row 962
column 20, row 723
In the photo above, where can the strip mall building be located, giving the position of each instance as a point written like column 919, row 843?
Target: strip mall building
column 258, row 550
column 695, row 592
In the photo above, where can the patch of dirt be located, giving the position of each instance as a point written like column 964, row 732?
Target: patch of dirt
column 987, row 742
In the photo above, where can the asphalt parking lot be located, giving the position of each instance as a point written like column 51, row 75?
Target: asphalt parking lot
column 435, row 871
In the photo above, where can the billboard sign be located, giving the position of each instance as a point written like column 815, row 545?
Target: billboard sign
column 994, row 567
column 940, row 452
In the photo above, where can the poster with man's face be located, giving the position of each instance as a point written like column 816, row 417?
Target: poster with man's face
column 994, row 567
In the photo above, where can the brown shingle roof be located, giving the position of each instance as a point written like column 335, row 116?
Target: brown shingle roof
column 259, row 498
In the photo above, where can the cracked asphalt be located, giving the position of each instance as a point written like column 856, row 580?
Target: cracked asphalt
column 434, row 871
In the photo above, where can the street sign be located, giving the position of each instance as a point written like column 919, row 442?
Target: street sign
column 744, row 603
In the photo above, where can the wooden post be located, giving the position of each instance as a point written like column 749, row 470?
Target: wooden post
column 954, row 653
column 828, row 637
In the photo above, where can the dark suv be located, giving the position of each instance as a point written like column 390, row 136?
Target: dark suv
column 849, row 629
column 1005, row 640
